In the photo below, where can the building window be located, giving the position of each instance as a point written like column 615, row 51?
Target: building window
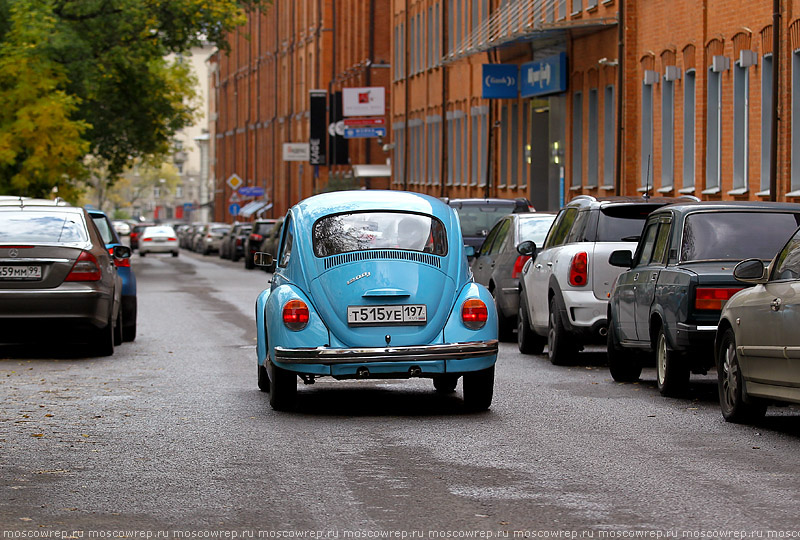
column 459, row 135
column 420, row 43
column 647, row 136
column 429, row 152
column 475, row 154
column 577, row 139
column 593, row 158
column 577, row 6
column 412, row 42
column 667, row 135
column 451, row 25
column 431, row 42
column 766, row 121
column 179, row 192
column 713, row 135
column 591, row 4
column 484, row 146
column 688, row 129
column 501, row 182
column 156, row 192
column 562, row 9
column 459, row 21
column 437, row 42
column 399, row 152
column 450, row 152
column 609, row 137
column 741, row 121
column 437, row 154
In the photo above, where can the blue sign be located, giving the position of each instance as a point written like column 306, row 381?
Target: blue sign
column 364, row 132
column 547, row 76
column 500, row 81
column 233, row 209
column 251, row 191
column 188, row 207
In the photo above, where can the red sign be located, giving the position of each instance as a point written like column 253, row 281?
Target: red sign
column 365, row 122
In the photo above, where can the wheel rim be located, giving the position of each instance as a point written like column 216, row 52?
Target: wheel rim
column 730, row 371
column 661, row 358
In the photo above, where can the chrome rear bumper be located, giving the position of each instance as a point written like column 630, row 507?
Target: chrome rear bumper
column 416, row 353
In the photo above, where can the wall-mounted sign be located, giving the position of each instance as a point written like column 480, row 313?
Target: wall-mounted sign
column 251, row 191
column 234, row 181
column 293, row 151
column 500, row 81
column 365, row 122
column 547, row 76
column 316, row 140
column 364, row 132
column 369, row 101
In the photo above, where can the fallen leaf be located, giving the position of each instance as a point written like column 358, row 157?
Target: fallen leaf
column 38, row 435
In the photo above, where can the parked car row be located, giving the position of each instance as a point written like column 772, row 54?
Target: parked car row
column 205, row 238
column 64, row 273
column 684, row 285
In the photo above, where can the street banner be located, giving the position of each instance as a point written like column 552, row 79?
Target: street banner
column 369, row 101
column 500, row 81
column 316, row 141
column 336, row 142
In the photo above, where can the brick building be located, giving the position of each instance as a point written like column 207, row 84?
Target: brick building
column 260, row 98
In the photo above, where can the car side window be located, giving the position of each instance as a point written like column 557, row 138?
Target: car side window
column 502, row 233
column 662, row 242
column 288, row 241
column 576, row 233
column 646, row 245
column 490, row 238
column 558, row 233
column 787, row 263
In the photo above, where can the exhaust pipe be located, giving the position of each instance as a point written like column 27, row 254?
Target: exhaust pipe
column 414, row 371
column 603, row 331
column 362, row 373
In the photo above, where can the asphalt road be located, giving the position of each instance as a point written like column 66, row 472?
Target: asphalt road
column 170, row 437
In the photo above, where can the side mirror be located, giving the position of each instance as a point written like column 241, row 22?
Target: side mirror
column 751, row 271
column 262, row 259
column 469, row 250
column 122, row 252
column 528, row 248
column 622, row 258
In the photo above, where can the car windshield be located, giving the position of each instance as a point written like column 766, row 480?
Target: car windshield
column 263, row 228
column 733, row 236
column 535, row 228
column 478, row 220
column 41, row 227
column 343, row 233
column 220, row 230
column 623, row 223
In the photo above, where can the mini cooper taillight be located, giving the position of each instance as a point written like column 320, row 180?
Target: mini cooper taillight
column 85, row 269
column 579, row 270
column 474, row 314
column 295, row 314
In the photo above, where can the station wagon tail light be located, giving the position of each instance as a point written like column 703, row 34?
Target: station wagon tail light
column 85, row 269
column 295, row 314
column 579, row 269
column 713, row 298
column 119, row 263
column 474, row 314
column 521, row 260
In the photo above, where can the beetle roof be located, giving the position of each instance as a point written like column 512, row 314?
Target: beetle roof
column 336, row 202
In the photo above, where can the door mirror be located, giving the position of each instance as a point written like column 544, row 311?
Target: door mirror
column 751, row 271
column 262, row 259
column 528, row 248
column 122, row 252
column 622, row 258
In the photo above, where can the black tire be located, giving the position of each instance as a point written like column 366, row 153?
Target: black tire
column 478, row 389
column 103, row 340
column 248, row 261
column 560, row 350
column 282, row 389
column 235, row 257
column 142, row 253
column 129, row 318
column 118, row 337
column 446, row 384
column 736, row 406
column 528, row 341
column 672, row 372
column 263, row 379
column 174, row 253
column 623, row 364
column 505, row 326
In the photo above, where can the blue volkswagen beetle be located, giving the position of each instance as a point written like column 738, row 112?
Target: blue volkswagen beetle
column 374, row 284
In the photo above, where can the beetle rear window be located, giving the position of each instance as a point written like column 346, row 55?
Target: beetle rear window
column 343, row 233
column 733, row 236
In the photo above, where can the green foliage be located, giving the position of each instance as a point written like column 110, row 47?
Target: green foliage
column 90, row 77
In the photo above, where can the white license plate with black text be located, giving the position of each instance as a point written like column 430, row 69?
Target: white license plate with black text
column 381, row 315
column 20, row 272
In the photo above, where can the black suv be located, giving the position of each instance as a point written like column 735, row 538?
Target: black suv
column 478, row 216
column 261, row 227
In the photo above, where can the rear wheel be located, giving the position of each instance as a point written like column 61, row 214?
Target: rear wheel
column 731, row 388
column 528, row 341
column 129, row 318
column 118, row 337
column 282, row 389
column 248, row 261
column 445, row 384
column 623, row 364
column 174, row 253
column 672, row 373
column 559, row 348
column 263, row 379
column 103, row 340
column 478, row 389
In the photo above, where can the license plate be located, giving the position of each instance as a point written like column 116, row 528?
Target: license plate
column 387, row 315
column 20, row 272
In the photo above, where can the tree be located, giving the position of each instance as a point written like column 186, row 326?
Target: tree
column 90, row 77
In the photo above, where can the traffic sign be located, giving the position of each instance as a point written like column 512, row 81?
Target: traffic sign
column 233, row 209
column 234, row 181
column 365, row 121
column 251, row 191
column 234, row 198
column 364, row 132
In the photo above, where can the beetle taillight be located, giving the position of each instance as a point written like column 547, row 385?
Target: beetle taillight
column 520, row 262
column 579, row 269
column 713, row 298
column 85, row 269
column 474, row 313
column 295, row 314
